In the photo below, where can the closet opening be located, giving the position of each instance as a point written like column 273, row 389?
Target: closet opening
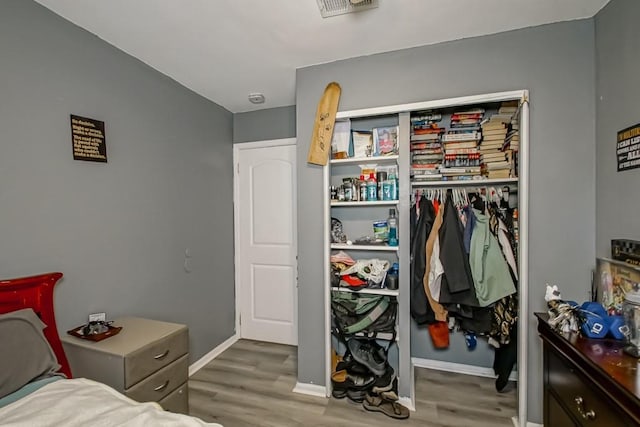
column 461, row 166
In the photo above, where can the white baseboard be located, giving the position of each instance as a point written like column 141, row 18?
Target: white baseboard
column 406, row 402
column 516, row 423
column 458, row 368
column 200, row 363
column 310, row 389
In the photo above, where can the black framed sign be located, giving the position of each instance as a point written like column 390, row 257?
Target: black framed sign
column 87, row 136
column 628, row 148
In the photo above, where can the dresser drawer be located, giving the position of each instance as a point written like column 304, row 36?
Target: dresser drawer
column 178, row 400
column 579, row 398
column 556, row 415
column 156, row 355
column 161, row 383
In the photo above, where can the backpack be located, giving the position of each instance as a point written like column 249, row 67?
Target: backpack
column 363, row 315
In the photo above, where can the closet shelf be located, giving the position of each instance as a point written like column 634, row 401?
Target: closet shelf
column 389, row 292
column 365, row 160
column 372, row 203
column 344, row 246
column 465, row 183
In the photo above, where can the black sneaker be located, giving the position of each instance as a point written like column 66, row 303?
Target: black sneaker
column 351, row 366
column 385, row 382
column 368, row 353
column 342, row 380
column 357, row 396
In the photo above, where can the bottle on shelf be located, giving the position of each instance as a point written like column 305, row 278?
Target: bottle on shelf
column 381, row 178
column 348, row 194
column 392, row 223
column 391, row 281
column 372, row 188
column 362, row 185
column 393, row 187
column 355, row 194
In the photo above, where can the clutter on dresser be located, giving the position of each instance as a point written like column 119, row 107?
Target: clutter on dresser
column 590, row 319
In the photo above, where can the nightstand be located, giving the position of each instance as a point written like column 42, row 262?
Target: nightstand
column 147, row 361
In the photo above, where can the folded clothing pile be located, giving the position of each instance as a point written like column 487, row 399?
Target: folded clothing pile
column 366, row 273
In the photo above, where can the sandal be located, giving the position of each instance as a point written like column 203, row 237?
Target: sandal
column 390, row 409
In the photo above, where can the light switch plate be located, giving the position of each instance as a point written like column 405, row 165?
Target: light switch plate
column 98, row 317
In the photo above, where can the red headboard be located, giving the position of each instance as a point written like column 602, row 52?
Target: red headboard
column 36, row 292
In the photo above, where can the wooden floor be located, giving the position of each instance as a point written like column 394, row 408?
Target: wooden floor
column 250, row 385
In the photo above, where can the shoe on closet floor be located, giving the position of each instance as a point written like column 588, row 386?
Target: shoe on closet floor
column 391, row 409
column 385, row 382
column 392, row 393
column 343, row 380
column 370, row 354
column 349, row 364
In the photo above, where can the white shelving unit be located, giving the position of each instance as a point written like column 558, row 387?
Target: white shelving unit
column 389, row 292
column 366, row 213
column 346, row 247
column 401, row 115
column 365, row 204
column 379, row 160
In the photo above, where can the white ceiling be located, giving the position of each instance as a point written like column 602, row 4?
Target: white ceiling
column 225, row 49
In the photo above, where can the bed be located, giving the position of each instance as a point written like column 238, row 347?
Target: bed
column 36, row 386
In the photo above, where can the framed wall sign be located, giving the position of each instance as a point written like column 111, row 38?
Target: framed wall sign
column 628, row 148
column 88, row 139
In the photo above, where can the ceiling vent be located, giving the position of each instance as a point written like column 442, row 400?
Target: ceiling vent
column 340, row 7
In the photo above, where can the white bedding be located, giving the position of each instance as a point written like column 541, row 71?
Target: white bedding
column 81, row 402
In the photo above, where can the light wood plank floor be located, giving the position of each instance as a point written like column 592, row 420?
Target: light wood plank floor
column 250, row 385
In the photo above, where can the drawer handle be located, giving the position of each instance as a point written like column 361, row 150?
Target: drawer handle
column 161, row 355
column 162, row 387
column 588, row 415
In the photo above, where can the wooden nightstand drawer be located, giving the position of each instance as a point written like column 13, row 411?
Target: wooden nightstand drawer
column 161, row 383
column 177, row 400
column 155, row 356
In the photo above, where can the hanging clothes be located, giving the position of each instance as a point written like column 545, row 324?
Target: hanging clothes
column 505, row 311
column 468, row 229
column 439, row 311
column 420, row 309
column 436, row 270
column 491, row 276
column 457, row 292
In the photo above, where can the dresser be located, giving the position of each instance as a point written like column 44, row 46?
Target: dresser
column 147, row 361
column 588, row 382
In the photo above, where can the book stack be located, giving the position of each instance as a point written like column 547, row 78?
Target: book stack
column 512, row 140
column 426, row 147
column 496, row 155
column 461, row 154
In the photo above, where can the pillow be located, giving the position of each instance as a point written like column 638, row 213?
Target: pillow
column 25, row 353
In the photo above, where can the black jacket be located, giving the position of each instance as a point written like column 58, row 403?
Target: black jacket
column 420, row 228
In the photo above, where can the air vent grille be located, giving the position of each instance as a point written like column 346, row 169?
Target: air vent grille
column 340, row 7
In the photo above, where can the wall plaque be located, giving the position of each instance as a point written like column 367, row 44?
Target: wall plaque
column 87, row 136
column 628, row 148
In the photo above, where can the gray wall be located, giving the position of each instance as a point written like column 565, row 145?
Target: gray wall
column 617, row 95
column 556, row 63
column 270, row 123
column 118, row 231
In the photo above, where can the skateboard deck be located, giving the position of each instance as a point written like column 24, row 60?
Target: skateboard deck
column 323, row 126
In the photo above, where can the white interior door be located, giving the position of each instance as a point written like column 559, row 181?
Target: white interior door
column 266, row 269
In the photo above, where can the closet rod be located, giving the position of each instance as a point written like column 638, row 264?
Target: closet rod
column 466, row 183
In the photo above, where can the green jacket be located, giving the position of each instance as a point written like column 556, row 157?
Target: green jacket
column 489, row 268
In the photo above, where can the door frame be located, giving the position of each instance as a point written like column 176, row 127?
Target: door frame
column 237, row 148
